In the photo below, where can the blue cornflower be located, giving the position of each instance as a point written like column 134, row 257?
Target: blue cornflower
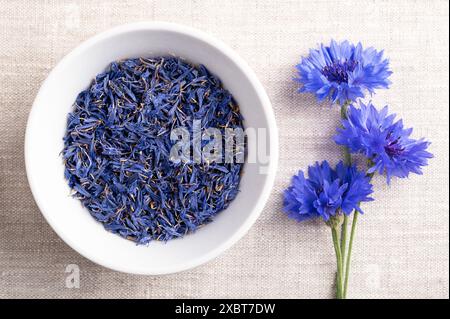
column 342, row 71
column 326, row 192
column 384, row 142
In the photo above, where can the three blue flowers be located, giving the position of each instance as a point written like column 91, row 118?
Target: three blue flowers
column 343, row 73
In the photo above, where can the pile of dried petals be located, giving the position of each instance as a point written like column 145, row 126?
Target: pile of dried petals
column 117, row 148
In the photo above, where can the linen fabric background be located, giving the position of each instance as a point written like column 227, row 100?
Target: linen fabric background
column 401, row 248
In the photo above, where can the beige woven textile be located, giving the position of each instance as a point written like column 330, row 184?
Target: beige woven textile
column 402, row 244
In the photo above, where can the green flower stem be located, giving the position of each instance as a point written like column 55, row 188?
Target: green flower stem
column 347, row 155
column 344, row 240
column 337, row 249
column 350, row 245
column 347, row 161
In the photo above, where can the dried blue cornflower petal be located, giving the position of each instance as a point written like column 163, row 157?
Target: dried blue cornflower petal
column 117, row 148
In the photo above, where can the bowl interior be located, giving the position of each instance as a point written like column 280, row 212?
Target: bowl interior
column 47, row 124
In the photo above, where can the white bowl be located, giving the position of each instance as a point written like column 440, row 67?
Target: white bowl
column 47, row 124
